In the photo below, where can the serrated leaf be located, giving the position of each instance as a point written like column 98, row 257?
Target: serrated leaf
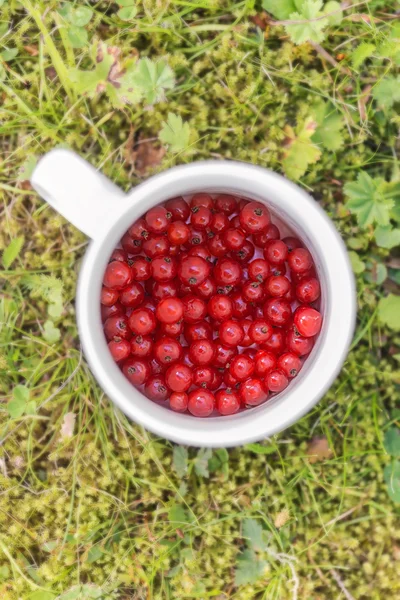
column 313, row 21
column 280, row 9
column 391, row 475
column 51, row 333
column 9, row 54
column 80, row 16
column 333, row 12
column 387, row 237
column 259, row 449
column 178, row 516
column 175, row 133
column 392, row 441
column 180, row 460
column 361, row 53
column 329, row 128
column 249, row 568
column 387, row 91
column 389, row 311
column 253, row 533
column 127, row 13
column 152, row 78
column 201, row 462
column 12, row 251
column 219, row 462
column 78, row 36
column 357, row 264
column 367, row 200
column 299, row 151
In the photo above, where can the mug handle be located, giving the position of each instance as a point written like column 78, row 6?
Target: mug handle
column 76, row 190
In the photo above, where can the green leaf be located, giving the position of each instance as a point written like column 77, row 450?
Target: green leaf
column 329, row 127
column 387, row 91
column 180, row 460
column 3, row 73
column 94, row 554
column 80, row 16
column 30, row 408
column 357, row 264
column 177, row 515
column 219, row 462
column 367, row 200
column 300, row 151
column 151, row 78
column 253, row 532
column 12, row 251
column 312, row 23
column 387, row 237
column 78, row 36
column 175, row 133
column 391, row 475
column 51, row 333
column 361, row 53
column 377, row 273
column 4, row 572
column 389, row 311
column 16, row 406
column 82, row 592
column 21, row 392
column 9, row 54
column 259, row 449
column 249, row 568
column 41, row 595
column 392, row 441
column 127, row 13
column 280, row 9
column 88, row 82
column 27, row 168
column 333, row 12
column 201, row 462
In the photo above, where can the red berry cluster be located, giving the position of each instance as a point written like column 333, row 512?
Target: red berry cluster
column 206, row 306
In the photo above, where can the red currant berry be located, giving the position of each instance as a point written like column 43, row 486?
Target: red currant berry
column 156, row 245
column 139, row 230
column 178, row 233
column 156, row 367
column 132, row 296
column 231, row 333
column 200, row 217
column 111, row 311
column 260, row 331
column 193, row 270
column 252, row 393
column 108, row 297
column 198, row 331
column 142, row 321
column 203, row 377
column 223, row 355
column 120, row 349
column 156, row 389
column 228, row 401
column 245, row 253
column 276, row 342
column 278, row 311
column 172, row 329
column 164, row 290
column 300, row 260
column 136, row 370
column 167, row 350
column 119, row 255
column 179, row 377
column 185, row 358
column 264, row 362
column 308, row 290
column 217, row 380
column 163, row 268
column 246, row 324
column 290, row 364
column 253, row 291
column 234, row 239
column 141, row 346
column 201, row 251
column 197, row 237
column 202, row 199
column 254, row 217
column 271, row 233
column 219, row 222
column 225, row 203
column 276, row 252
column 230, row 381
column 194, row 308
column 179, row 209
column 235, row 222
column 207, row 289
column 117, row 275
column 117, row 327
column 276, row 381
column 277, row 286
column 241, row 367
column 259, row 270
column 227, row 272
column 202, row 352
column 220, row 307
column 307, row 321
column 140, row 269
column 240, row 308
column 178, row 401
column 298, row 344
column 201, row 403
column 169, row 310
column 292, row 243
column 130, row 245
column 217, row 246
column 157, row 219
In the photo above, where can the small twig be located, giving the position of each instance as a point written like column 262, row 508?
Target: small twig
column 340, row 583
column 344, row 515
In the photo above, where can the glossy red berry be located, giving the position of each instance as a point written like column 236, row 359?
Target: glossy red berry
column 252, row 392
column 200, row 217
column 227, row 272
column 178, row 401
column 264, row 362
column 271, row 233
column 140, row 268
column 254, row 217
column 156, row 245
column 117, row 275
column 201, row 402
column 157, row 219
column 241, row 367
column 308, row 290
column 156, row 389
column 234, row 239
column 193, row 270
column 179, row 377
column 245, row 254
column 276, row 343
column 203, row 377
column 276, row 252
column 207, row 289
column 111, row 311
column 198, row 331
column 300, row 260
column 169, row 310
column 130, row 245
column 119, row 255
column 217, row 246
column 231, row 333
column 141, row 346
column 228, row 401
column 178, row 233
column 240, row 307
column 223, row 355
column 172, row 329
column 307, row 321
column 278, row 311
column 194, row 308
column 225, row 203
column 290, row 364
column 202, row 199
column 142, row 321
column 219, row 222
column 167, row 350
column 132, row 296
column 164, row 268
column 259, row 270
column 230, row 381
column 179, row 209
column 136, row 370
column 276, row 381
column 292, row 243
column 139, row 230
column 253, row 291
column 299, row 344
column 260, row 331
column 164, row 289
column 108, row 296
column 117, row 327
column 202, row 352
column 277, row 286
column 120, row 349
column 220, row 307
column 246, row 324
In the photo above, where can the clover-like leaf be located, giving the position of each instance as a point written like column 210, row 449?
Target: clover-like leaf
column 152, row 78
column 367, row 199
column 357, row 264
column 280, row 9
column 310, row 23
column 387, row 91
column 51, row 333
column 9, row 54
column 78, row 36
column 392, row 441
column 300, row 151
column 175, row 133
column 387, row 237
column 333, row 12
column 389, row 311
column 127, row 11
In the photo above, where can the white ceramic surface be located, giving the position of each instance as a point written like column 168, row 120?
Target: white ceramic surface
column 102, row 211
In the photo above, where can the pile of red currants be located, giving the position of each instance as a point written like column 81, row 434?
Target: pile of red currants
column 205, row 305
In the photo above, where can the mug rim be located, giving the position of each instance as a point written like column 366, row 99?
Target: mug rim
column 339, row 299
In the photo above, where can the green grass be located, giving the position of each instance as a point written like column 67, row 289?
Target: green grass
column 106, row 507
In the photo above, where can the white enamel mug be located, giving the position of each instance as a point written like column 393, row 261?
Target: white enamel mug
column 103, row 212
